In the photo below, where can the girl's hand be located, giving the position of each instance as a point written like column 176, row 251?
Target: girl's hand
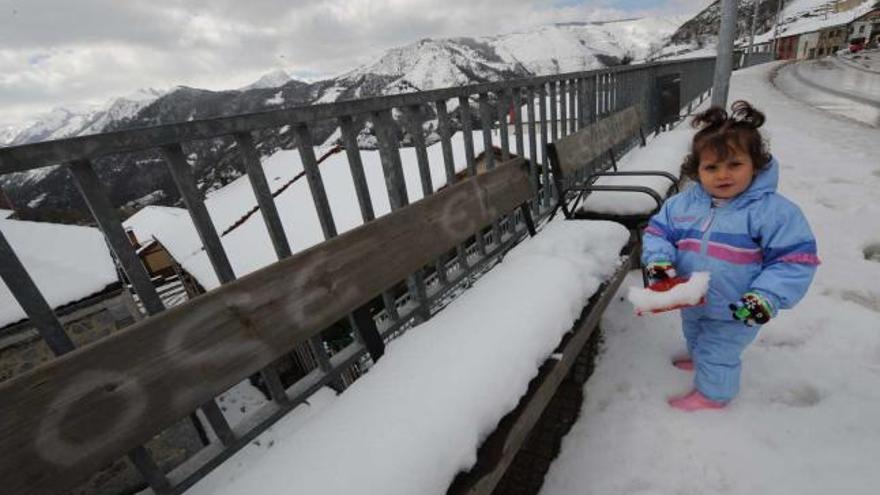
column 660, row 270
column 752, row 309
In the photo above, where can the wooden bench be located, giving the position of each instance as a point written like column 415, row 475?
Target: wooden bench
column 63, row 421
column 578, row 160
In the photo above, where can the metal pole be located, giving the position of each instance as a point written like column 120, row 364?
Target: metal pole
column 724, row 60
column 779, row 4
column 752, row 33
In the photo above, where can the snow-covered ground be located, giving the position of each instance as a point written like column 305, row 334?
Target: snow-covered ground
column 836, row 84
column 806, row 420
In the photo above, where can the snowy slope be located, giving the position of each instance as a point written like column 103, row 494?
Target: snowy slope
column 80, row 120
column 248, row 246
column 59, row 123
column 68, row 263
column 550, row 49
column 8, row 133
column 272, row 79
column 805, row 420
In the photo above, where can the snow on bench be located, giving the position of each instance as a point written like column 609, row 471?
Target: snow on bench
column 663, row 154
column 414, row 421
column 640, row 182
column 420, row 414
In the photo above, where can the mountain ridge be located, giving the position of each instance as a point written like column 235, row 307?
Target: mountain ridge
column 420, row 65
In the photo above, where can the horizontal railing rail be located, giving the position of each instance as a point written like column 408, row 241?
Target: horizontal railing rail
column 543, row 109
column 30, row 156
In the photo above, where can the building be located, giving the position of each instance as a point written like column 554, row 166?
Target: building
column 865, row 29
column 77, row 276
column 787, row 48
column 830, row 40
column 807, row 45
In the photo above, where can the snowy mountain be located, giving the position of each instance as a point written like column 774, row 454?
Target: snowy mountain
column 438, row 63
column 422, row 65
column 64, row 122
column 274, row 79
column 8, row 133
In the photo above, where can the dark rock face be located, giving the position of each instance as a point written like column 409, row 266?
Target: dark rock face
column 703, row 28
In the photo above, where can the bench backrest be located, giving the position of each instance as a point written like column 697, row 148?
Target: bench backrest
column 572, row 153
column 70, row 417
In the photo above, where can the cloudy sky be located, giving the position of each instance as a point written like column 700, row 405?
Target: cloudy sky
column 68, row 52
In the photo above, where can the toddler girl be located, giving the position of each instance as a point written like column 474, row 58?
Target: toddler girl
column 756, row 244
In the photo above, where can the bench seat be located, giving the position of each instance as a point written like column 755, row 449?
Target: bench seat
column 662, row 154
column 421, row 413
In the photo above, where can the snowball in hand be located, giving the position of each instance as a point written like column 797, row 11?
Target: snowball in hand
column 685, row 294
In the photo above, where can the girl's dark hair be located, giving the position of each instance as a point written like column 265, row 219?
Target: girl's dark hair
column 723, row 132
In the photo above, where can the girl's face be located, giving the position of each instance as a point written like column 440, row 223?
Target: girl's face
column 727, row 178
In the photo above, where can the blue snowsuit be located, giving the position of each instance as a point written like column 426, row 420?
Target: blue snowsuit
column 758, row 242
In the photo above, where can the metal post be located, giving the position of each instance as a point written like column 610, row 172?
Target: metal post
column 724, row 60
column 779, row 5
column 752, row 33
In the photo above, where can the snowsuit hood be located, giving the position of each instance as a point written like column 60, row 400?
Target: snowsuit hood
column 758, row 242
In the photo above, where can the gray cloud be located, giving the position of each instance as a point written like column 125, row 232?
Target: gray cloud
column 58, row 52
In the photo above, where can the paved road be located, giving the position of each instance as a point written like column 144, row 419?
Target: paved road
column 846, row 86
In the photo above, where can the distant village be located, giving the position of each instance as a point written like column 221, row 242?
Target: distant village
column 843, row 27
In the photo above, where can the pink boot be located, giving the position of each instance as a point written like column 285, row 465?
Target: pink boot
column 683, row 363
column 694, row 401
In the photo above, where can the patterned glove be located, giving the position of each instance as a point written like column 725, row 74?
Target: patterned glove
column 752, row 309
column 660, row 270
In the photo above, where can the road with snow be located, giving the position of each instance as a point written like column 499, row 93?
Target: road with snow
column 806, row 419
column 844, row 85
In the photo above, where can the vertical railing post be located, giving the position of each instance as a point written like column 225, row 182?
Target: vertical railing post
column 254, row 169
column 356, row 166
column 313, row 177
column 533, row 146
column 464, row 111
column 25, row 291
column 563, row 110
column 517, row 95
column 504, row 105
column 181, row 172
column 389, row 154
column 554, row 103
column 87, row 182
column 413, row 119
column 486, row 125
column 545, row 173
column 443, row 126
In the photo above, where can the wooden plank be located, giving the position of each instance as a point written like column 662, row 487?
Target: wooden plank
column 578, row 149
column 80, row 411
column 500, row 448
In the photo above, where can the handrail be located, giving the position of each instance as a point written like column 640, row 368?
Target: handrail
column 30, row 156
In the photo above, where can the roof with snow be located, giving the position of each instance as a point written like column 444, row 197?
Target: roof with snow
column 807, row 19
column 5, row 213
column 68, row 263
column 248, row 246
